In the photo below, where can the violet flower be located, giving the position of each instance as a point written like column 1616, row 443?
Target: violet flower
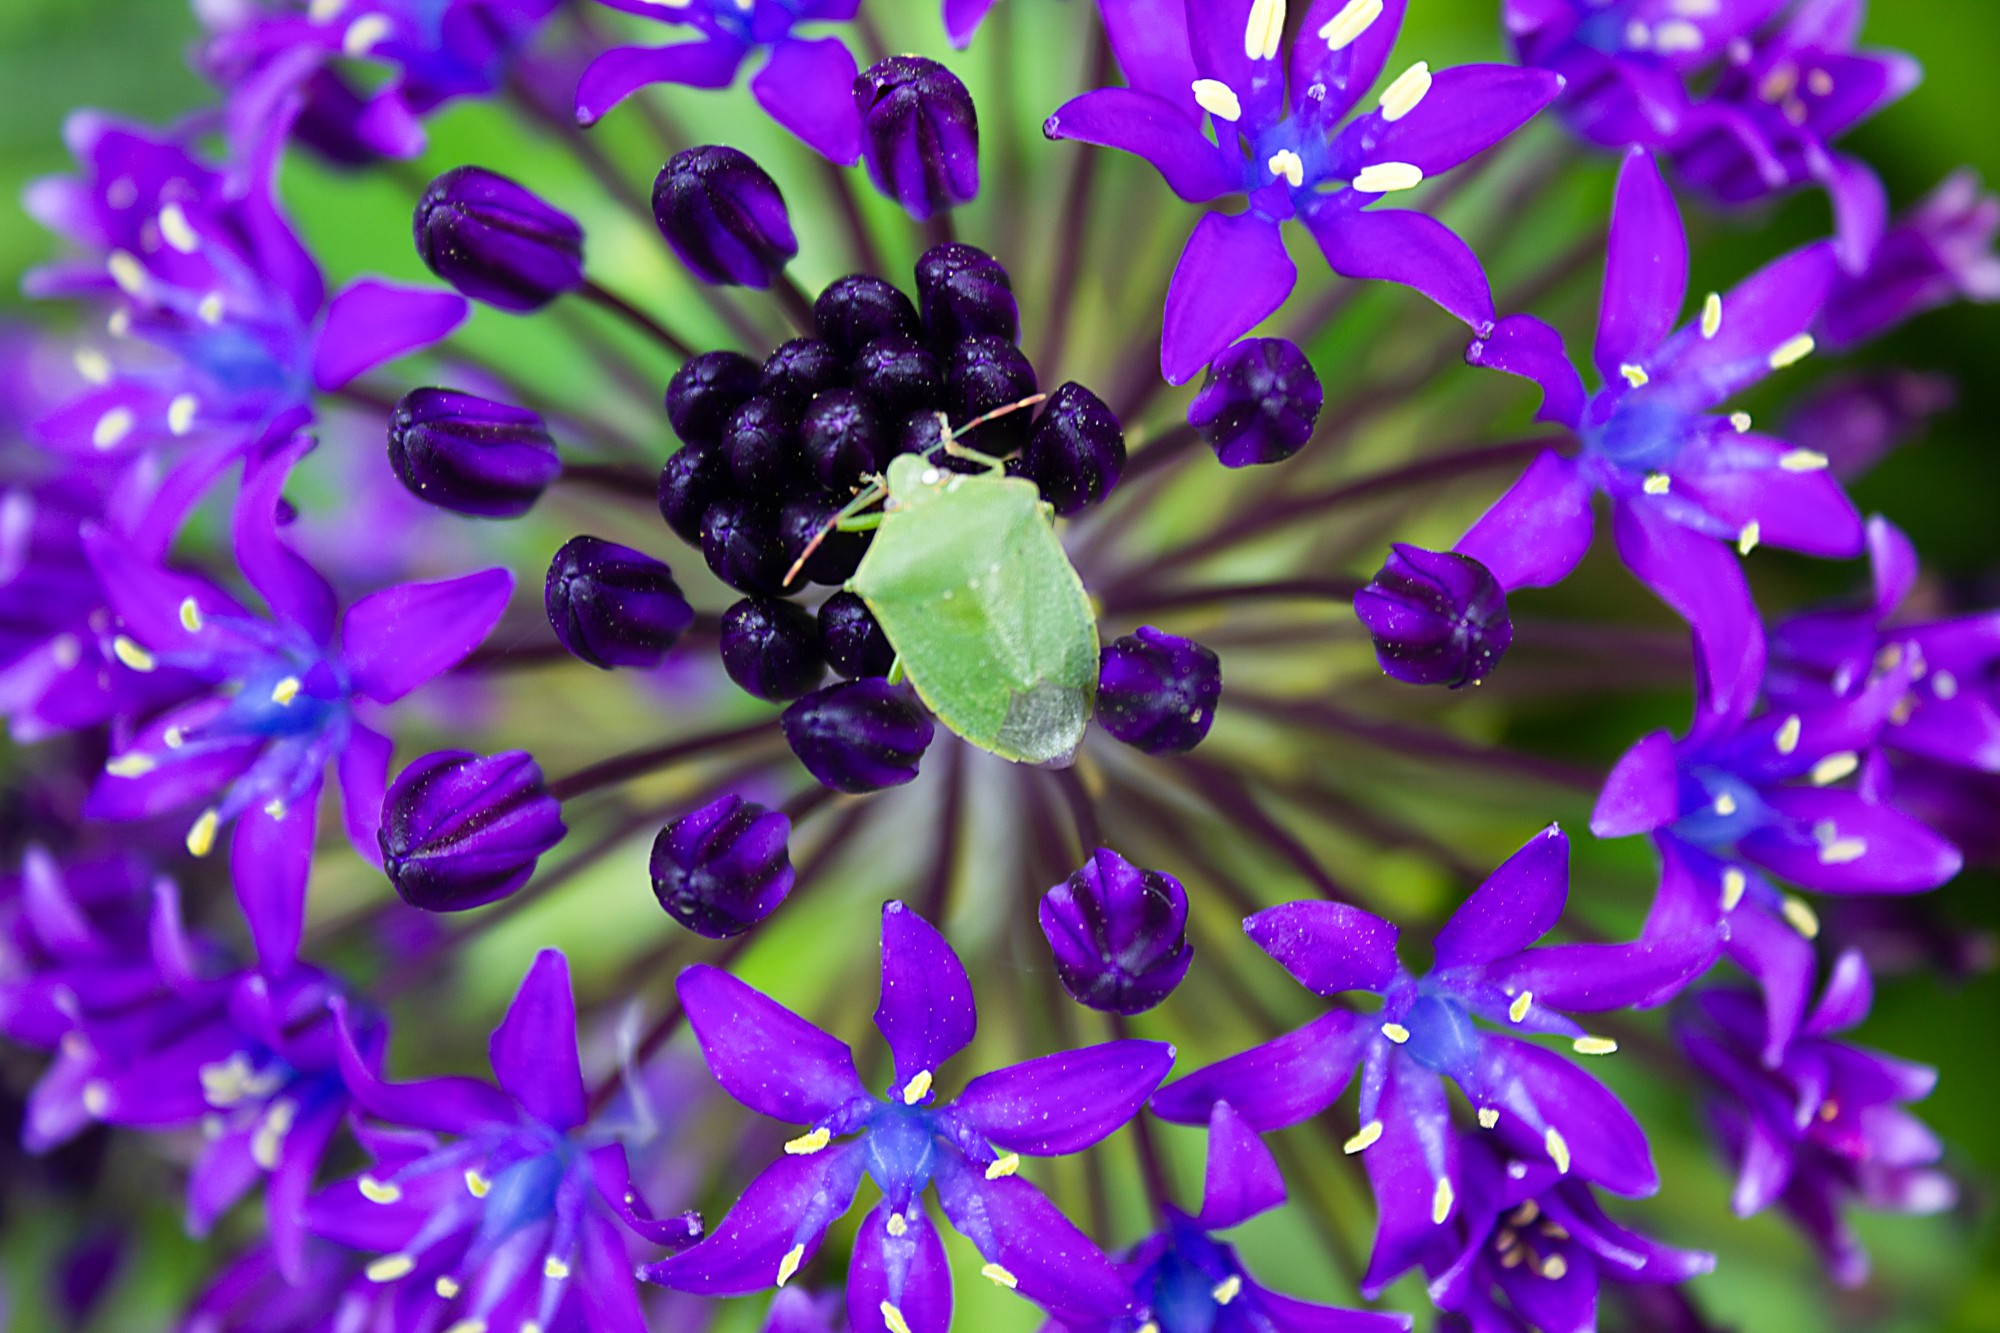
column 210, row 278
column 1188, row 1281
column 1220, row 59
column 1533, row 1248
column 1941, row 252
column 1769, row 124
column 907, row 1140
column 1681, row 479
column 290, row 694
column 1536, row 1103
column 806, row 83
column 1825, row 1125
column 515, row 1220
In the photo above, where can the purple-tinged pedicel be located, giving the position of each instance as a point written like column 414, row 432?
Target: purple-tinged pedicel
column 1259, row 403
column 920, row 134
column 613, row 606
column 497, row 241
column 1158, row 691
column 724, row 216
column 460, row 830
column 1437, row 617
column 723, row 868
column 470, row 454
column 1119, row 934
column 860, row 736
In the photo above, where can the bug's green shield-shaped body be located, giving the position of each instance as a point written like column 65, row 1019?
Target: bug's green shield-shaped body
column 989, row 618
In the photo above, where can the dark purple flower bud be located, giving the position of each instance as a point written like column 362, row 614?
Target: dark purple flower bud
column 1437, row 617
column 859, row 308
column 1857, row 419
column 920, row 134
column 860, row 736
column 1258, row 404
column 842, row 438
column 1076, row 450
column 900, row 374
column 964, row 292
column 981, row 375
column 801, row 368
column 920, row 433
column 723, row 216
column 838, row 554
column 696, row 477
column 469, row 454
column 1119, row 934
column 460, row 830
column 762, row 442
column 613, row 606
column 496, row 241
column 771, row 648
column 742, row 544
column 853, row 643
column 706, row 390
column 1158, row 691
column 723, row 868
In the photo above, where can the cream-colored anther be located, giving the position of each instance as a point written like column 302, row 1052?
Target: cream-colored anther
column 1218, row 99
column 1657, row 483
column 389, row 1267
column 1227, row 1290
column 893, row 1319
column 1802, row 917
column 190, row 614
column 112, row 428
column 1396, row 1032
column 1835, row 767
column 286, row 690
column 1360, row 1142
column 379, row 1191
column 1740, row 422
column 174, row 229
column 917, row 1088
column 554, row 1269
column 789, row 1265
column 1558, row 1147
column 807, row 1144
column 126, row 270
column 999, row 1276
column 1519, row 1009
column 1489, row 1116
column 201, row 835
column 363, row 34
column 1734, row 884
column 1403, row 96
column 445, row 1287
column 898, row 1227
column 1354, row 18
column 181, row 413
column 1635, row 375
column 1388, row 178
column 476, row 1185
column 1593, row 1046
column 1004, row 1166
column 93, row 365
column 1792, row 351
column 1264, row 32
column 1711, row 315
column 1288, row 166
column 1441, row 1200
column 1748, row 536
column 1803, row 460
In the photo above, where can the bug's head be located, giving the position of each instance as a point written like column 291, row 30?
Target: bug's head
column 912, row 479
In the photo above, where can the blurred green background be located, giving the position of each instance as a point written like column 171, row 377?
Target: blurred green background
column 127, row 56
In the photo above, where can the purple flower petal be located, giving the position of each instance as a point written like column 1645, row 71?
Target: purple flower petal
column 291, row 587
column 1012, row 1225
column 1545, row 1090
column 1537, row 532
column 1849, row 995
column 1217, row 38
column 291, row 1183
column 926, row 1012
column 363, row 770
column 1411, row 249
column 1645, row 268
column 1415, row 1151
column 1643, row 791
column 1232, row 275
column 1517, row 905
column 1892, row 559
column 1327, row 83
column 1468, row 109
column 534, row 1049
column 147, row 597
column 374, row 321
column 1275, row 1085
column 807, row 86
column 224, row 1173
column 962, row 19
column 270, row 858
column 1781, row 962
column 763, row 1054
column 1798, row 511
column 904, row 1270
column 1155, row 129
column 395, row 640
column 447, row 1105
column 1327, row 947
column 608, row 1298
column 1063, row 1103
column 1527, row 348
column 789, row 1205
column 618, row 73
column 1860, row 208
column 1764, row 313
column 1839, row 842
column 613, row 1173
column 1150, row 39
column 1242, row 1178
column 1287, row 1314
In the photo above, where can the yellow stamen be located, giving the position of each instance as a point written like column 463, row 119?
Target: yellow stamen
column 1519, row 1009
column 1739, row 422
column 1803, row 460
column 1400, row 98
column 790, row 1263
column 269, row 1139
column 1388, row 178
column 1593, row 1046
column 1489, row 1116
column 999, row 1276
column 132, row 655
column 1657, row 483
column 445, row 1287
column 1558, row 1147
column 190, row 616
column 1725, row 805
column 1835, row 767
column 1227, row 1290
column 917, row 1088
column 286, row 690
column 133, row 765
column 1218, row 99
column 1370, row 1132
column 1734, row 883
column 893, row 1318
column 1004, row 1166
column 1289, row 165
column 897, row 1226
column 476, row 1185
column 1265, row 31
column 1804, row 920
column 201, row 838
column 1635, row 376
column 389, row 1267
column 1555, row 1267
column 1788, row 734
column 1354, row 18
column 1396, row 1032
column 379, row 1191
column 1441, row 1201
column 1748, row 537
column 1711, row 315
column 554, row 1268
column 473, row 1326
column 807, row 1144
column 1792, row 351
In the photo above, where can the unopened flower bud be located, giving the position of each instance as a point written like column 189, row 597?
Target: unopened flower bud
column 900, row 374
column 799, row 369
column 982, row 375
column 963, row 292
column 761, row 442
column 706, row 390
column 469, row 454
column 843, row 438
column 920, row 134
column 613, row 606
column 856, row 310
column 838, row 554
column 723, row 216
column 1119, row 934
column 461, row 829
column 860, row 736
column 1258, row 404
column 771, row 648
column 1437, row 617
column 853, row 642
column 741, row 542
column 496, row 241
column 696, row 477
column 1158, row 691
column 723, row 868
column 1076, row 450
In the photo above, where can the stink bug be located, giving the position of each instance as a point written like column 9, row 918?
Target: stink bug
column 987, row 616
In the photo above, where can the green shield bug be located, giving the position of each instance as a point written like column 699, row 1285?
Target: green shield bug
column 972, row 587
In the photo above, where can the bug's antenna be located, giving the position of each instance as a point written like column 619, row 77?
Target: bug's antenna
column 867, row 495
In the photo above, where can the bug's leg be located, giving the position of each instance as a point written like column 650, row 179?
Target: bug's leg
column 949, row 438
column 895, row 676
column 987, row 461
column 841, row 520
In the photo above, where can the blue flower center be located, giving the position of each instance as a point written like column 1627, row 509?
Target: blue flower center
column 1719, row 808
column 1442, row 1038
column 902, row 1149
column 1642, row 434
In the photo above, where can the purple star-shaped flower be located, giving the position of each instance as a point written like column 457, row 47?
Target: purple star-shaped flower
column 1188, row 1281
column 1537, row 1103
column 1626, row 63
column 806, row 83
column 222, row 309
column 1822, row 1126
column 1769, row 124
column 1941, row 251
column 515, row 1220
column 1292, row 158
column 1532, row 1248
column 1682, row 479
column 289, row 694
column 907, row 1141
